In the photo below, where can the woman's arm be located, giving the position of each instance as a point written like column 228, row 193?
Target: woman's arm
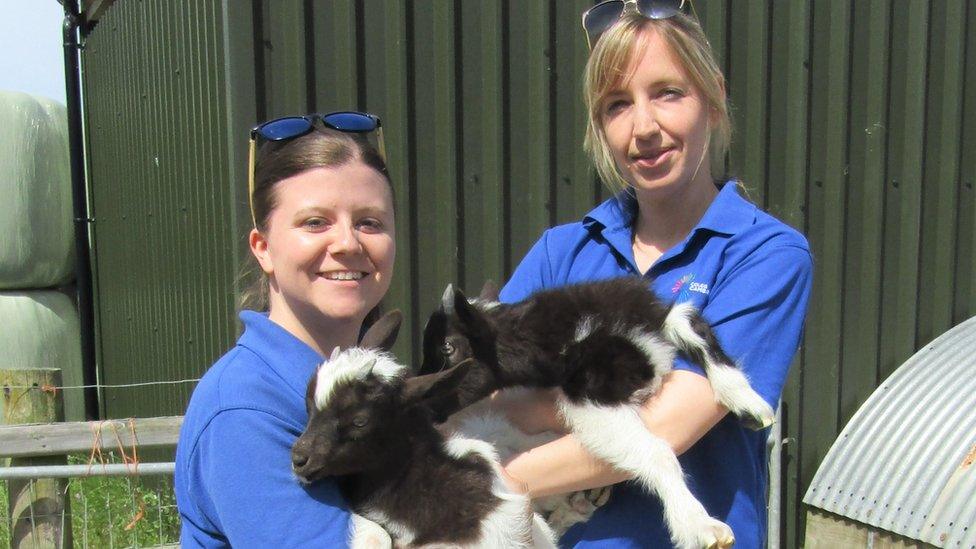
column 680, row 413
column 239, row 477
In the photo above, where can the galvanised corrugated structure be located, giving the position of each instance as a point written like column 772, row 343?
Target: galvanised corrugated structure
column 852, row 120
column 904, row 462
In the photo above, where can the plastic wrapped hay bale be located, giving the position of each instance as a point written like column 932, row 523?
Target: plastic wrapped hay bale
column 41, row 330
column 37, row 248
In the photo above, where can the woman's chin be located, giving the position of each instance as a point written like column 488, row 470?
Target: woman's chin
column 352, row 310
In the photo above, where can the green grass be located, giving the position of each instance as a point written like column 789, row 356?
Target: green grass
column 102, row 508
column 4, row 513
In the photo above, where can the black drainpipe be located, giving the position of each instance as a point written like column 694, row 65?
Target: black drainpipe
column 83, row 276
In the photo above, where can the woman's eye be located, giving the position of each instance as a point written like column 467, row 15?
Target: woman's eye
column 315, row 223
column 447, row 349
column 672, row 93
column 615, row 106
column 371, row 225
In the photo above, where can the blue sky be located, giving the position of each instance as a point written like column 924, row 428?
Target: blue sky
column 31, row 55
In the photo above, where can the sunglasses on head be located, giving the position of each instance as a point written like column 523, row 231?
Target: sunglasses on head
column 602, row 16
column 291, row 127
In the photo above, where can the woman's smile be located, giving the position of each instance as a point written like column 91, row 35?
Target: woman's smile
column 652, row 159
column 343, row 276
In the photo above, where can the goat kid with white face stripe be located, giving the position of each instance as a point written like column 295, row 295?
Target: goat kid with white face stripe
column 607, row 346
column 370, row 427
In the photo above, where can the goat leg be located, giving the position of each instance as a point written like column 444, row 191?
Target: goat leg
column 617, row 435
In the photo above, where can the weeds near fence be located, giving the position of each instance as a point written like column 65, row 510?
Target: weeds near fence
column 114, row 511
column 4, row 513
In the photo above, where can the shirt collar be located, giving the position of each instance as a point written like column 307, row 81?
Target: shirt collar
column 291, row 358
column 728, row 214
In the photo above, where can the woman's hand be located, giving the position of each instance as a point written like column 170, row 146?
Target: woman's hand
column 531, row 411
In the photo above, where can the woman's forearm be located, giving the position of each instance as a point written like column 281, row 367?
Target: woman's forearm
column 561, row 466
column 680, row 413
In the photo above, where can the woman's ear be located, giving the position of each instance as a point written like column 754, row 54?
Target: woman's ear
column 259, row 247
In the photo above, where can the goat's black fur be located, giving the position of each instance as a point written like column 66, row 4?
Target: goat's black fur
column 377, row 437
column 607, row 345
column 532, row 343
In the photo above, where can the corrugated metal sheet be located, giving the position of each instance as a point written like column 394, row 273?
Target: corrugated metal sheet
column 852, row 117
column 904, row 462
column 162, row 202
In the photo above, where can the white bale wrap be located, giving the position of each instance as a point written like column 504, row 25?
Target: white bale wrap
column 41, row 330
column 37, row 246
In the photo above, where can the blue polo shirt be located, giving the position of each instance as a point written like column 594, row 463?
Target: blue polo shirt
column 233, row 480
column 750, row 276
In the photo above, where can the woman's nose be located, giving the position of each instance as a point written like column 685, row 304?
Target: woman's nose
column 346, row 240
column 645, row 122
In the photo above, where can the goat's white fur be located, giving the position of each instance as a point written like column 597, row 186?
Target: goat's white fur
column 513, row 520
column 730, row 384
column 366, row 534
column 659, row 353
column 403, row 534
column 481, row 422
column 353, row 363
column 584, row 328
column 513, row 524
column 617, row 435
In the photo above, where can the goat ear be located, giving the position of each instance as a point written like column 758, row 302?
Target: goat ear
column 489, row 292
column 420, row 388
column 451, row 390
column 435, row 331
column 471, row 318
column 383, row 333
column 335, row 353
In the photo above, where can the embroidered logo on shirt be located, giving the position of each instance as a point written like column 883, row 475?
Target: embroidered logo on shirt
column 698, row 287
column 687, row 284
column 681, row 282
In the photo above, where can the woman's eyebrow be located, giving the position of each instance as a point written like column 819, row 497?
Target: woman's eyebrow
column 311, row 210
column 370, row 209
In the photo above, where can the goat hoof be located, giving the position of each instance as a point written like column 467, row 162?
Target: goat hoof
column 758, row 423
column 758, row 415
column 602, row 495
column 722, row 544
column 708, row 533
column 717, row 535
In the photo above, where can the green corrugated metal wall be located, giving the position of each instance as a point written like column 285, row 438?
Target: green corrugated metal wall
column 852, row 117
column 164, row 227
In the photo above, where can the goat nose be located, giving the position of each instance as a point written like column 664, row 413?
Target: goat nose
column 298, row 459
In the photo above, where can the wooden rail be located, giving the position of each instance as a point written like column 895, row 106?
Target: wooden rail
column 49, row 439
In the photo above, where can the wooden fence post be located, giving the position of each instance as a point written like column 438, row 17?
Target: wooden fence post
column 39, row 509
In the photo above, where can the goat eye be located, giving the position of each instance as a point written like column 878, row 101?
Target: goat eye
column 447, row 348
column 360, row 421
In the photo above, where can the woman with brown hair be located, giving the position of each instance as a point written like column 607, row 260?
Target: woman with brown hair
column 323, row 238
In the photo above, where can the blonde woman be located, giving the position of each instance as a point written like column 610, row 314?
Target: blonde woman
column 657, row 111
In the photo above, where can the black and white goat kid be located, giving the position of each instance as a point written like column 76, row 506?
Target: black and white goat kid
column 370, row 428
column 607, row 345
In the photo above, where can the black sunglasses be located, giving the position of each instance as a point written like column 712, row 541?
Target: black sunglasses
column 291, row 127
column 602, row 16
